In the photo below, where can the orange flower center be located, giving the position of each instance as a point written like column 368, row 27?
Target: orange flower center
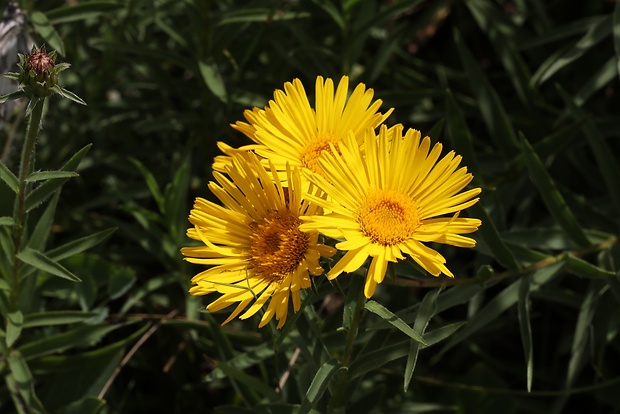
column 277, row 245
column 388, row 217
column 312, row 151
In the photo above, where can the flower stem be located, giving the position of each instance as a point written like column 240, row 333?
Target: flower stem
column 19, row 211
column 339, row 397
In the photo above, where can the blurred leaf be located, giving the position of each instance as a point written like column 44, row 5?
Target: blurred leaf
column 248, row 380
column 20, row 381
column 121, row 280
column 149, row 286
column 82, row 11
column 175, row 200
column 557, row 61
column 40, row 261
column 601, row 78
column 246, row 15
column 11, row 96
column 607, row 163
column 425, row 313
column 50, row 175
column 42, row 192
column 582, row 330
column 552, row 197
column 77, row 337
column 562, row 32
column 377, row 358
column 491, row 107
column 319, row 385
column 394, row 320
column 9, row 178
column 7, row 221
column 244, row 360
column 526, row 328
column 582, row 268
column 80, row 245
column 213, row 79
column 87, row 405
column 151, row 183
column 50, row 318
column 47, row 31
column 15, row 323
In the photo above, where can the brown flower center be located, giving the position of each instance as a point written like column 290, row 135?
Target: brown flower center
column 278, row 247
column 313, row 150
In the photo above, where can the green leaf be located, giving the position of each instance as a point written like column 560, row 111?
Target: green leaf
column 40, row 261
column 425, row 313
column 244, row 360
column 500, row 303
column 82, row 11
column 65, row 93
column 489, row 234
column 248, row 380
column 121, row 280
column 552, row 197
column 7, row 221
column 606, row 73
column 437, row 335
column 42, row 192
column 11, row 96
column 20, row 381
column 87, row 405
column 213, row 79
column 50, row 175
column 51, row 318
column 47, row 31
column 491, row 106
column 580, row 267
column 526, row 328
column 582, row 334
column 604, row 155
column 151, row 183
column 394, row 320
column 14, row 327
column 372, row 360
column 557, row 61
column 43, row 228
column 9, row 178
column 319, row 385
column 78, row 337
column 78, row 246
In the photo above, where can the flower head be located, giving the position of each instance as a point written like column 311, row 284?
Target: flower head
column 390, row 200
column 253, row 242
column 290, row 131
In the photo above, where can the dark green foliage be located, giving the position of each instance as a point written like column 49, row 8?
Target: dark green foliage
column 525, row 90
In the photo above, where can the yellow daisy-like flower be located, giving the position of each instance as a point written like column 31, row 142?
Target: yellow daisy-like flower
column 290, row 131
column 388, row 201
column 253, row 242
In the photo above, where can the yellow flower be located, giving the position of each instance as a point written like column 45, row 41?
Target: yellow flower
column 253, row 242
column 388, row 201
column 290, row 131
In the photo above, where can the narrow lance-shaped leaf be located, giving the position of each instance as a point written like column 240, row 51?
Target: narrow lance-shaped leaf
column 552, row 197
column 460, row 136
column 526, row 328
column 50, row 175
column 319, row 385
column 47, row 31
column 425, row 313
column 39, row 260
column 394, row 320
column 42, row 192
column 14, row 326
column 7, row 221
column 9, row 178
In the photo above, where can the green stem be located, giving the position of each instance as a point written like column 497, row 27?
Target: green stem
column 19, row 211
column 339, row 397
